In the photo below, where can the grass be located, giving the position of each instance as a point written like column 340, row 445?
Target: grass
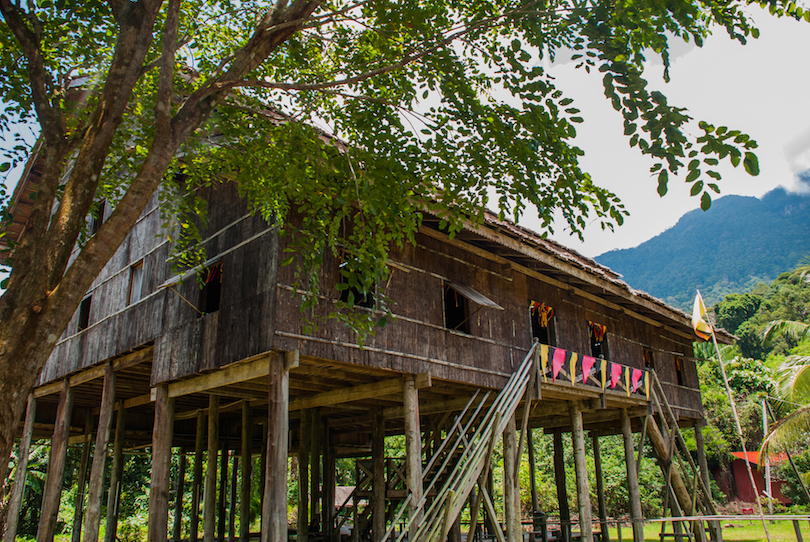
column 741, row 531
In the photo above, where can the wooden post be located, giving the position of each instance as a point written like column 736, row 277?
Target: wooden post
column 600, row 489
column 511, row 494
column 413, row 452
column 378, row 469
column 179, row 488
column 304, row 442
column 274, row 505
column 562, row 493
column 94, row 493
column 632, row 479
column 222, row 505
column 533, row 472
column 329, row 483
column 581, row 469
column 81, row 490
column 232, row 498
column 315, row 468
column 703, row 465
column 158, row 522
column 56, row 465
column 797, row 530
column 18, row 491
column 263, row 461
column 196, row 483
column 116, row 475
column 210, row 489
column 247, row 467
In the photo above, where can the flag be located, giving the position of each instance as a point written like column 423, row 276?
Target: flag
column 699, row 319
column 615, row 374
column 587, row 364
column 637, row 374
column 557, row 361
column 544, row 361
column 573, row 368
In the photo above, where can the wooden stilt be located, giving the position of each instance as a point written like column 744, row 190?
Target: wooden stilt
column 158, row 523
column 196, row 483
column 581, row 469
column 222, row 504
column 413, row 452
column 180, row 488
column 600, row 490
column 533, row 472
column 232, row 498
column 329, row 483
column 562, row 493
column 304, row 442
column 263, row 461
column 716, row 527
column 210, row 489
column 511, row 494
column 18, row 491
column 81, row 490
column 632, row 479
column 379, row 486
column 56, row 465
column 116, row 474
column 94, row 495
column 315, row 469
column 274, row 505
column 247, row 466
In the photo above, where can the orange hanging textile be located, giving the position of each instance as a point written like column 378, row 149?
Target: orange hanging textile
column 542, row 312
column 598, row 331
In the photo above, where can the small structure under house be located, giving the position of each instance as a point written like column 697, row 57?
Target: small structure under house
column 497, row 334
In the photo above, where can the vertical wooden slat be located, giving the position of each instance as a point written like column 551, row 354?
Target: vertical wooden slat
column 600, row 489
column 581, row 469
column 116, row 474
column 562, row 492
column 56, row 466
column 232, row 497
column 632, row 478
column 158, row 523
column 93, row 522
column 180, row 488
column 196, row 483
column 315, row 469
column 511, row 495
column 274, row 505
column 413, row 452
column 329, row 482
column 81, row 482
column 263, row 462
column 247, row 465
column 378, row 469
column 222, row 505
column 304, row 441
column 210, row 490
column 532, row 472
column 18, row 491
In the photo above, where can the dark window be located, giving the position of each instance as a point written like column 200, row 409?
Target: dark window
column 353, row 295
column 680, row 374
column 84, row 313
column 97, row 216
column 135, row 282
column 648, row 359
column 211, row 290
column 543, row 328
column 456, row 310
column 599, row 340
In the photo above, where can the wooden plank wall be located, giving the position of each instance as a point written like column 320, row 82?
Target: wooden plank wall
column 258, row 312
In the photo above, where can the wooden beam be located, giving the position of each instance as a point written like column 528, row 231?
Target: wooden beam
column 56, row 466
column 227, row 376
column 196, row 482
column 392, row 386
column 581, row 469
column 116, row 475
column 93, row 522
column 413, row 452
column 379, row 482
column 247, row 466
column 632, row 479
column 18, row 491
column 158, row 522
column 274, row 503
column 562, row 492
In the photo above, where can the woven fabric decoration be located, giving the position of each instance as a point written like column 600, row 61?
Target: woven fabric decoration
column 604, row 373
column 541, row 312
column 557, row 361
column 636, row 380
column 587, row 365
column 544, row 361
column 598, row 331
column 615, row 374
column 572, row 372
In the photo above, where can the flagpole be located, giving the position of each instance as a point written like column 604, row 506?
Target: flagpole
column 740, row 433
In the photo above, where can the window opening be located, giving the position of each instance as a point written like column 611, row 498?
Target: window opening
column 353, row 295
column 135, row 283
column 680, row 373
column 648, row 359
column 456, row 310
column 84, row 313
column 211, row 290
column 543, row 328
column 599, row 340
column 97, row 217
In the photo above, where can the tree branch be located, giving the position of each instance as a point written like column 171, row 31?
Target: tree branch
column 163, row 103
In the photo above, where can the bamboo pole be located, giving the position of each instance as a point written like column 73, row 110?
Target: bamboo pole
column 116, row 475
column 196, row 483
column 18, row 491
column 179, row 489
column 210, row 489
column 247, row 466
column 56, row 465
column 93, row 522
column 158, row 523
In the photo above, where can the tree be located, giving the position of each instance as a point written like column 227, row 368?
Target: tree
column 122, row 89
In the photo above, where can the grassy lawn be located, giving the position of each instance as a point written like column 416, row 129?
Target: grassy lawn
column 741, row 531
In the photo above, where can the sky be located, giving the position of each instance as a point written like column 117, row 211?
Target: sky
column 762, row 89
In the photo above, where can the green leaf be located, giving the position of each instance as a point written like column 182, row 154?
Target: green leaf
column 663, row 177
column 751, row 163
column 5, row 166
column 705, row 201
column 696, row 188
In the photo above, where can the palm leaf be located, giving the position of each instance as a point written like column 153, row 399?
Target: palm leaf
column 790, row 328
column 793, row 378
column 789, row 430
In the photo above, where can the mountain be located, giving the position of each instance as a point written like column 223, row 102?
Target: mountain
column 739, row 242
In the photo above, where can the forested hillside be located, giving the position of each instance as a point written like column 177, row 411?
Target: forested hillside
column 738, row 243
